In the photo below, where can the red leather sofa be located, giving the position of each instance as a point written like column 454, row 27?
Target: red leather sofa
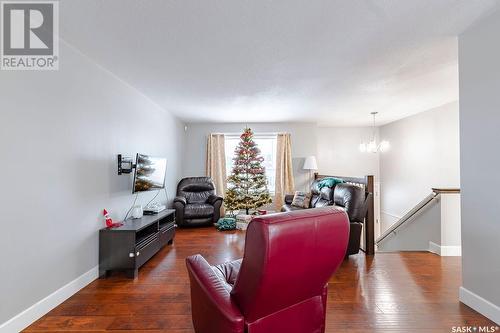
column 280, row 285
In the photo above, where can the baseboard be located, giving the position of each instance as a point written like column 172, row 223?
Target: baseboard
column 451, row 251
column 42, row 307
column 445, row 251
column 484, row 307
column 434, row 248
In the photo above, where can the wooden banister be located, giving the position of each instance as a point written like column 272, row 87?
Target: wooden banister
column 444, row 190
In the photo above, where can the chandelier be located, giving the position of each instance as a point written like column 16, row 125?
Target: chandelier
column 373, row 146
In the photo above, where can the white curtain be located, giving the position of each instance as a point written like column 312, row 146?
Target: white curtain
column 284, row 171
column 216, row 164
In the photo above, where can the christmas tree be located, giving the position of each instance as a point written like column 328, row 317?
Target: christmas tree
column 247, row 184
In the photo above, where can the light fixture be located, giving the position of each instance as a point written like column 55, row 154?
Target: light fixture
column 310, row 165
column 372, row 146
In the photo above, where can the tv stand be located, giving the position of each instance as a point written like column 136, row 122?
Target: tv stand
column 128, row 247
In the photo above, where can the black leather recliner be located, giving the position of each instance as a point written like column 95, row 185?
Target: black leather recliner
column 349, row 196
column 320, row 198
column 355, row 203
column 196, row 203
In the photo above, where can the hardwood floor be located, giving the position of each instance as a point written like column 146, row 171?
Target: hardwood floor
column 407, row 292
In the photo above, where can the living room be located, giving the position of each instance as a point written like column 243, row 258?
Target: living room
column 396, row 98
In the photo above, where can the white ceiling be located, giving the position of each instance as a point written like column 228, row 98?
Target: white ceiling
column 287, row 60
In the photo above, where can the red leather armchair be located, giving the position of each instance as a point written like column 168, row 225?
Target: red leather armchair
column 280, row 285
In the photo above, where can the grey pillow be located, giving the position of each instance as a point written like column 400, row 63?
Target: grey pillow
column 301, row 199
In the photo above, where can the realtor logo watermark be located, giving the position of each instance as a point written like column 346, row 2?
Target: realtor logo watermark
column 475, row 329
column 29, row 35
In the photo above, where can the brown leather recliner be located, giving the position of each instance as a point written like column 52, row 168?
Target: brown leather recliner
column 196, row 203
column 281, row 283
column 348, row 196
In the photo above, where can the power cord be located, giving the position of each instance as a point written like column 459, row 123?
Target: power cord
column 147, row 205
column 157, row 193
column 137, row 195
column 133, row 204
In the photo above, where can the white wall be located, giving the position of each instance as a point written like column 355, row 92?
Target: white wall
column 60, row 132
column 424, row 154
column 336, row 149
column 479, row 59
column 451, row 232
column 303, row 144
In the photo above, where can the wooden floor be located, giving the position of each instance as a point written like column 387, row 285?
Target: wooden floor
column 408, row 292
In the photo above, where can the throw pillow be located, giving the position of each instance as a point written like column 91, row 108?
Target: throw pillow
column 301, row 199
column 329, row 182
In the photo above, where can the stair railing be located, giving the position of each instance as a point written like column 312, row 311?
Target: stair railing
column 408, row 216
column 436, row 192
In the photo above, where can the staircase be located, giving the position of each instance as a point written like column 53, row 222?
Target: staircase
column 431, row 225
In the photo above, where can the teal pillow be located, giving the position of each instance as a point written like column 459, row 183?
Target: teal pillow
column 226, row 223
column 329, row 182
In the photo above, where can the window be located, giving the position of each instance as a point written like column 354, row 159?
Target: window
column 267, row 146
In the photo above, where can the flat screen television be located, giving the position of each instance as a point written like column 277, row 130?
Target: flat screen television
column 149, row 173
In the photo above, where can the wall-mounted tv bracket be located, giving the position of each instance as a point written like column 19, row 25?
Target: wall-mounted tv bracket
column 125, row 164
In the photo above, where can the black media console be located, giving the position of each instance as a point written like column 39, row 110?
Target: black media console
column 128, row 247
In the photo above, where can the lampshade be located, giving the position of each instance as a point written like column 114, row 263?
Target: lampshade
column 310, row 163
